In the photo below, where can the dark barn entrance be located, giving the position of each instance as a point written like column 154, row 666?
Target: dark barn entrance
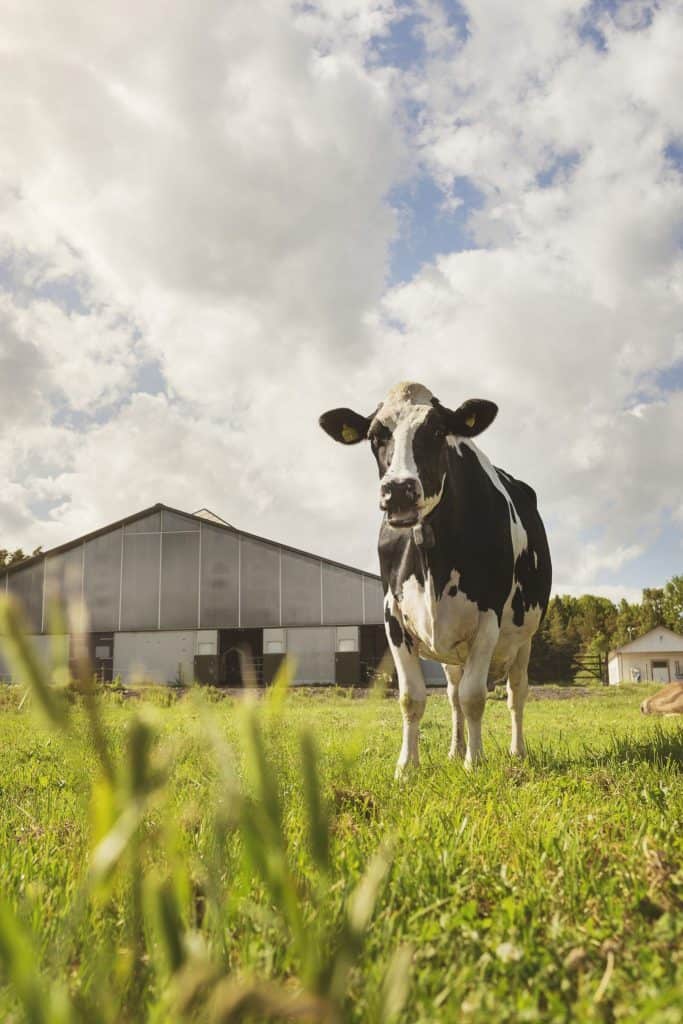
column 373, row 648
column 233, row 646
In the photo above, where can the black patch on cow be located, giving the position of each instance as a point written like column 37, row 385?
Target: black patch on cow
column 471, row 526
column 408, row 640
column 513, row 513
column 382, row 444
column 518, row 607
column 453, row 590
column 395, row 631
column 533, row 571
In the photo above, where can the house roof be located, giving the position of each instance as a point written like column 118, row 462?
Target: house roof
column 661, row 639
column 214, row 521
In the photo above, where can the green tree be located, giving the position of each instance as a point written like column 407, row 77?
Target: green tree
column 652, row 608
column 8, row 557
column 672, row 604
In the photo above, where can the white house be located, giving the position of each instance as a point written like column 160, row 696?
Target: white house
column 655, row 657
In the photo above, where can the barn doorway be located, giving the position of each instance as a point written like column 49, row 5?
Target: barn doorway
column 233, row 644
column 373, row 647
column 660, row 672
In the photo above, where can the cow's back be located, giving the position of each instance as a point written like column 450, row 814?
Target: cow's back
column 533, row 568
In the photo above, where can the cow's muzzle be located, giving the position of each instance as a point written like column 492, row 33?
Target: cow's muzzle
column 399, row 499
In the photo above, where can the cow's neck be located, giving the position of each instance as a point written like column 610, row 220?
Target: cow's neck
column 444, row 540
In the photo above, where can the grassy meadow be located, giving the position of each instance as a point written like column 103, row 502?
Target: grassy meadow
column 169, row 859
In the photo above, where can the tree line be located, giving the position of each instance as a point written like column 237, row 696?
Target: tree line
column 588, row 625
column 8, row 557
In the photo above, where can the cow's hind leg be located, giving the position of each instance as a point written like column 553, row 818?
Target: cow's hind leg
column 453, row 677
column 517, row 689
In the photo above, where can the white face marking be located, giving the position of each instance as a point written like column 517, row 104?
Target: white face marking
column 403, row 465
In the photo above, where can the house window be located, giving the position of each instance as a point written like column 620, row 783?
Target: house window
column 678, row 670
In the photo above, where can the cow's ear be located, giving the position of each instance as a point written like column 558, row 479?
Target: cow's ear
column 472, row 417
column 345, row 425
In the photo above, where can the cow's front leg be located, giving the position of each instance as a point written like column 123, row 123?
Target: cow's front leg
column 412, row 691
column 518, row 687
column 472, row 689
column 453, row 677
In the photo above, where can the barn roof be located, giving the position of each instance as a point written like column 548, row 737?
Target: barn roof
column 659, row 639
column 212, row 520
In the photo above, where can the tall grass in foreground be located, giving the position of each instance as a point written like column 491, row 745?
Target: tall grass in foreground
column 176, row 912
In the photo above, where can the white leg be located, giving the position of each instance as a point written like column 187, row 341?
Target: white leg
column 517, row 688
column 412, row 692
column 453, row 677
column 472, row 690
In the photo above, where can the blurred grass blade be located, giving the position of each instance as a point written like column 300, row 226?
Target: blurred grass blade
column 59, row 643
column 167, row 920
column 262, row 777
column 109, row 850
column 363, row 898
column 41, row 1004
column 318, row 818
column 396, row 986
column 18, row 955
column 262, row 1001
column 102, row 810
column 276, row 694
column 27, row 667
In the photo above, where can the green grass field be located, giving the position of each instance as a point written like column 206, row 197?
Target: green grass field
column 549, row 890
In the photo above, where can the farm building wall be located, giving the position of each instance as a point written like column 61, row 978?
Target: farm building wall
column 645, row 666
column 161, row 587
column 166, row 570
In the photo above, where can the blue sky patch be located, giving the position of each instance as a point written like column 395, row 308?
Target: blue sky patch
column 559, row 167
column 404, row 44
column 427, row 226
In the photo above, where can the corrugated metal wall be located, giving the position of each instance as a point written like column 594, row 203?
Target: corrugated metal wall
column 168, row 571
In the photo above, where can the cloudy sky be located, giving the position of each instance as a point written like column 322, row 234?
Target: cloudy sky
column 218, row 220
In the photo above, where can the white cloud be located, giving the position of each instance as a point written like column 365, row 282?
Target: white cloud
column 575, row 302
column 211, row 182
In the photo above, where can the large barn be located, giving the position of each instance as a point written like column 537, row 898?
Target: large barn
column 171, row 596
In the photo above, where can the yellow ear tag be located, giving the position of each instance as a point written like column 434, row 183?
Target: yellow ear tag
column 471, row 420
column 349, row 434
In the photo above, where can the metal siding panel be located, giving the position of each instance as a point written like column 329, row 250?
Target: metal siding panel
column 374, row 601
column 140, row 604
column 148, row 524
column 300, row 590
column 260, row 577
column 102, row 580
column 433, row 672
column 27, row 586
column 174, row 523
column 313, row 650
column 219, row 586
column 166, row 657
column 342, row 595
column 179, row 581
column 63, row 582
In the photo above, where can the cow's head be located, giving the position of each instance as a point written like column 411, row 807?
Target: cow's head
column 409, row 433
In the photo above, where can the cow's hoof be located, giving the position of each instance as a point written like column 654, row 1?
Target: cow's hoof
column 519, row 753
column 456, row 754
column 405, row 770
column 472, row 761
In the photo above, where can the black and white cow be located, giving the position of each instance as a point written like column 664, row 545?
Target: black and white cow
column 464, row 559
